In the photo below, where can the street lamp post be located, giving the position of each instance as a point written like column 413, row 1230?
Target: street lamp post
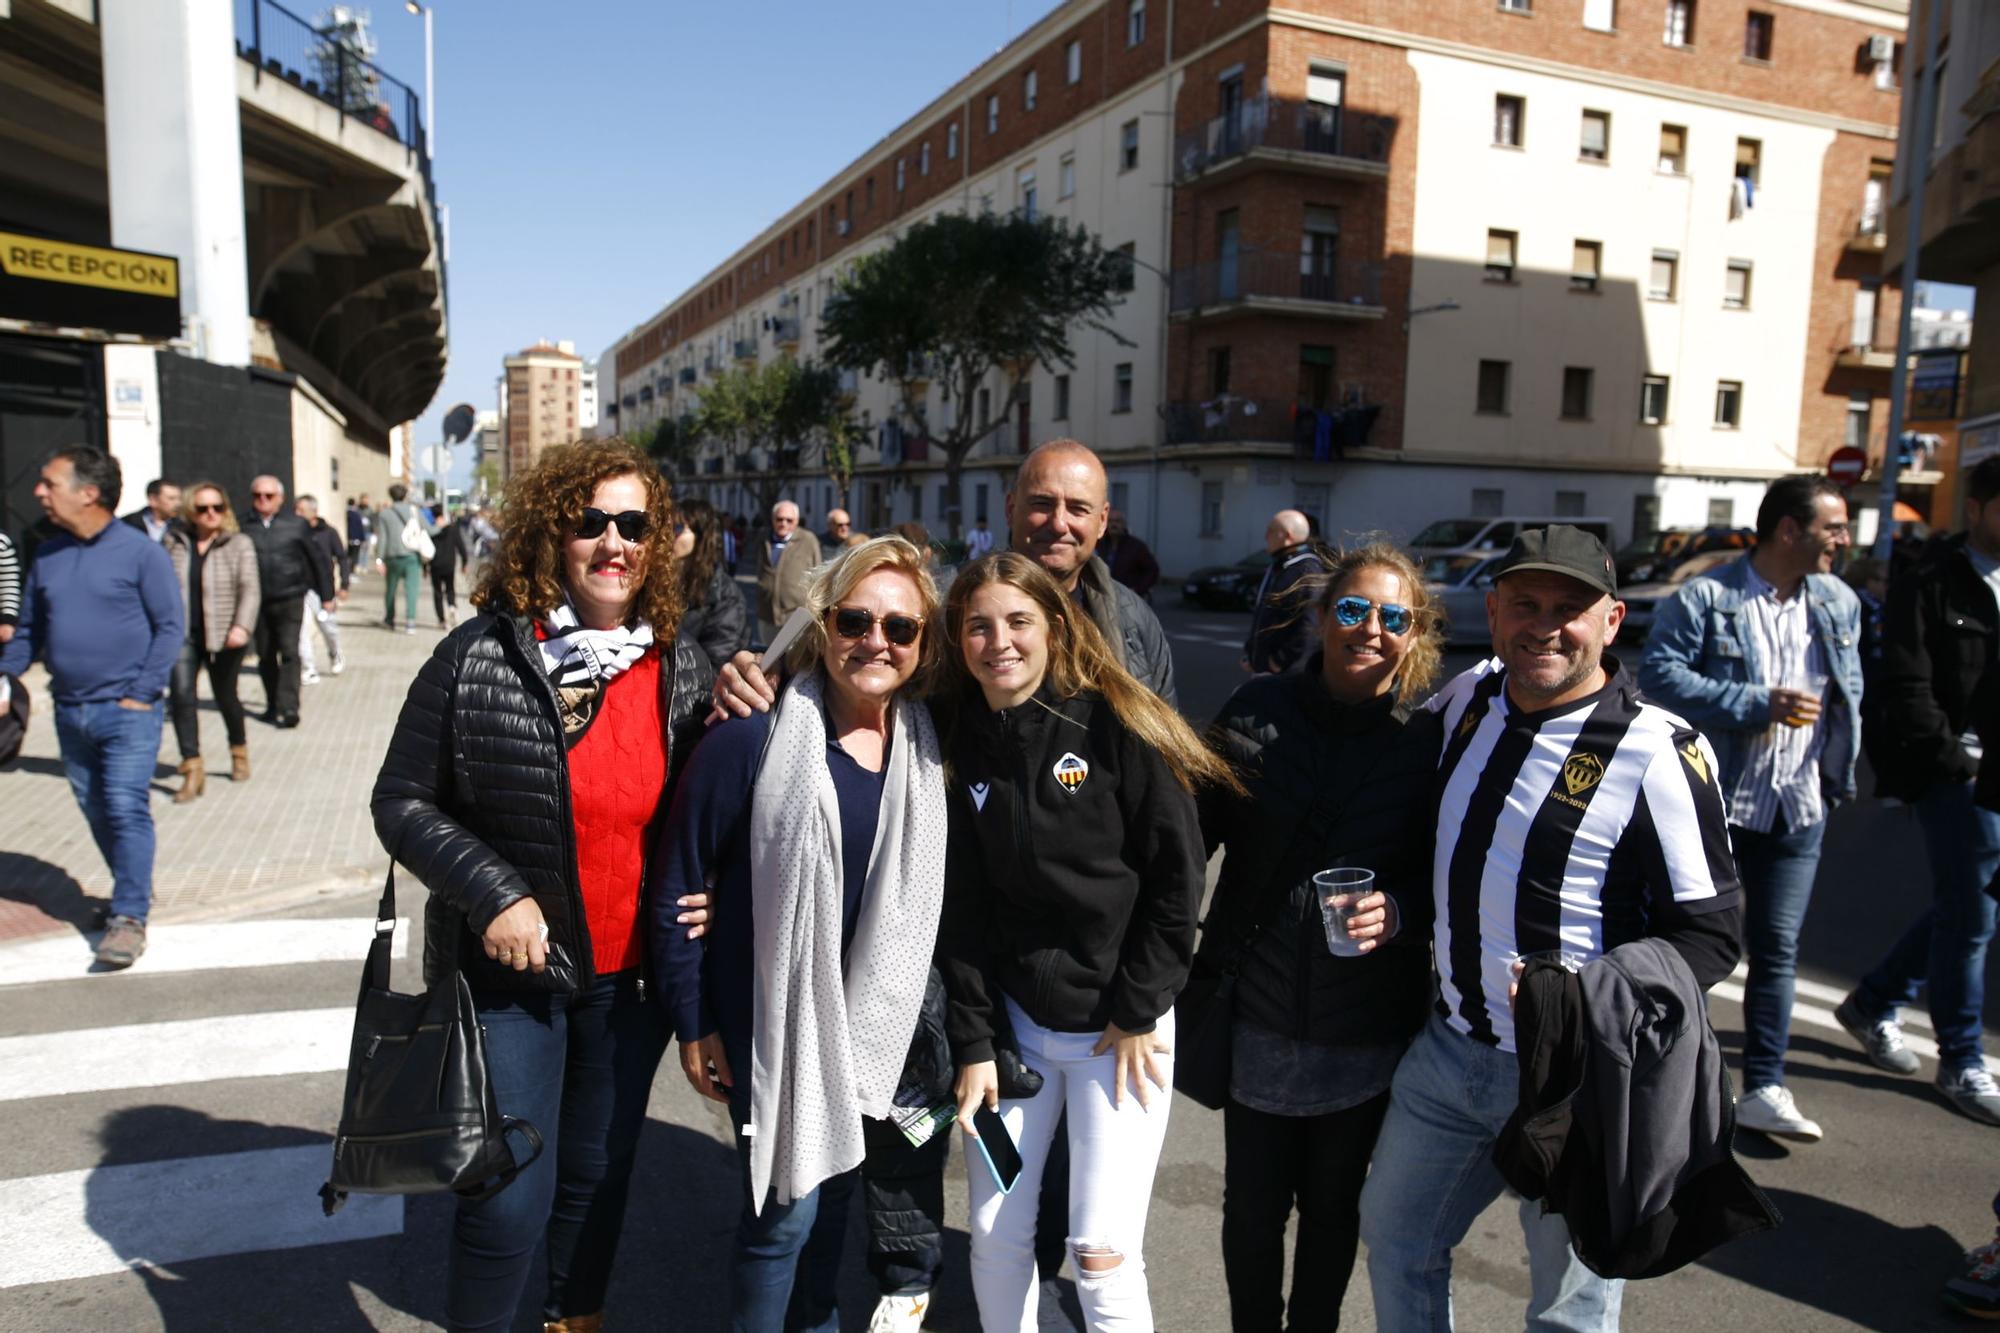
column 430, row 83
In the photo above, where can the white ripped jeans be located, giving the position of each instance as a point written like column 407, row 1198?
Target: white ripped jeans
column 1114, row 1151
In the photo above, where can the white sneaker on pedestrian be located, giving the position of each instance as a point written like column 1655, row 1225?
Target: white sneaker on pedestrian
column 1972, row 1091
column 1771, row 1110
column 339, row 665
column 309, row 677
column 900, row 1314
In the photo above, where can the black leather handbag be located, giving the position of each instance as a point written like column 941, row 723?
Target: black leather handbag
column 418, row 1115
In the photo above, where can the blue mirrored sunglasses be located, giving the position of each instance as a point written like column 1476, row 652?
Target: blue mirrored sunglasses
column 1351, row 611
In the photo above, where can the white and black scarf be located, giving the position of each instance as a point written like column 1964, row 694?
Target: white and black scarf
column 580, row 662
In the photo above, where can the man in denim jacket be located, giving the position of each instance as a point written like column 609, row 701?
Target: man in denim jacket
column 1763, row 654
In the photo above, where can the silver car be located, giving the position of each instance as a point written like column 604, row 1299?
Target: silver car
column 1459, row 584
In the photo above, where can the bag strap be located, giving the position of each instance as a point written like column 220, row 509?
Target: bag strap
column 385, row 934
column 480, row 1193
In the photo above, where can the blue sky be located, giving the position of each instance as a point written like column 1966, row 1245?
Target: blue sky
column 598, row 156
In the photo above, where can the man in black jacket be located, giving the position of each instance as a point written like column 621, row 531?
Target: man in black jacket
column 1281, row 628
column 1937, row 675
column 289, row 564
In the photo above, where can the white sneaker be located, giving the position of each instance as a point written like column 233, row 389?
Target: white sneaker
column 339, row 665
column 900, row 1314
column 1771, row 1110
column 1972, row 1091
column 309, row 677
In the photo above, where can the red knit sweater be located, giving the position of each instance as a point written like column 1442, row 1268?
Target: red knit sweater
column 616, row 774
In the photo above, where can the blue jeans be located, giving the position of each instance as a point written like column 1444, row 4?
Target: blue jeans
column 785, row 1274
column 579, row 1070
column 1432, row 1176
column 1946, row 946
column 109, row 752
column 1777, row 869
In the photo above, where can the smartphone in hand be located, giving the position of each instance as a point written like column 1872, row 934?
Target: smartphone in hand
column 996, row 1145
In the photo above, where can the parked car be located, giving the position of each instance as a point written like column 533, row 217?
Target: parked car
column 1227, row 587
column 1459, row 584
column 1463, row 536
column 1642, row 600
column 1654, row 558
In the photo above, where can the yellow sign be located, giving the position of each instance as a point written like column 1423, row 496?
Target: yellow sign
column 1582, row 772
column 89, row 266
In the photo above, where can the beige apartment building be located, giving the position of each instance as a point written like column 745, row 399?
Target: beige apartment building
column 1392, row 263
column 541, row 390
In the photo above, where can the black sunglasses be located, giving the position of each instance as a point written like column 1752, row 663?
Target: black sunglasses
column 851, row 622
column 632, row 524
column 211, row 509
column 1351, row 611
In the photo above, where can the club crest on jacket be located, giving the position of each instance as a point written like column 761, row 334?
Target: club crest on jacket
column 979, row 790
column 1070, row 771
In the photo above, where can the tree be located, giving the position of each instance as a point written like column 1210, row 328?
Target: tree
column 768, row 417
column 486, row 478
column 956, row 298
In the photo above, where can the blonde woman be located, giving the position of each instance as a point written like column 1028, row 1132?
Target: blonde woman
column 215, row 566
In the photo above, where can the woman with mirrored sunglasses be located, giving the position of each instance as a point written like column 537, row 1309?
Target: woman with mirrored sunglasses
column 1338, row 770
column 529, row 770
column 821, row 827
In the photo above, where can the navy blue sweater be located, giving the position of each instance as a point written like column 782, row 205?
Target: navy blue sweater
column 103, row 615
column 706, row 839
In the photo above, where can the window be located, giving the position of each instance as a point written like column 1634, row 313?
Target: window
column 1576, row 393
column 1218, row 371
column 1728, row 403
column 1736, row 285
column 985, row 407
column 1024, row 191
column 1126, row 258
column 1121, row 387
column 868, row 195
column 1211, row 509
column 1516, row 6
column 1073, row 62
column 1500, row 256
column 1315, row 377
column 1600, row 15
column 924, row 159
column 1128, row 146
column 1750, row 161
column 1586, row 264
column 1062, row 403
column 1722, row 513
column 1066, row 176
column 1570, row 504
column 1859, row 410
column 993, row 114
column 1595, row 144
column 1493, row 387
column 1653, row 400
column 1673, row 149
column 899, row 177
column 1680, row 23
column 1937, row 106
column 1121, row 496
column 1757, row 27
column 1029, row 86
column 1665, row 276
column 1874, row 198
column 951, row 141
column 1510, row 120
column 1326, row 93
column 1885, row 70
column 1135, row 23
column 1319, row 246
column 979, row 494
column 1489, row 502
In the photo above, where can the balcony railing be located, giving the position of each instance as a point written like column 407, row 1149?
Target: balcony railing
column 785, row 331
column 709, row 364
column 1273, row 123
column 1276, row 276
column 746, row 349
column 688, row 375
column 1312, row 433
column 324, row 63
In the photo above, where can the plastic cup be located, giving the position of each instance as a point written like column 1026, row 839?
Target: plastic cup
column 1329, row 884
column 1813, row 684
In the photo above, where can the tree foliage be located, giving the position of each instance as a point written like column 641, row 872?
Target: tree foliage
column 776, row 418
column 958, row 298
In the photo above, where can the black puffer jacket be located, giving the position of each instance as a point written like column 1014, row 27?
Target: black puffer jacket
column 1330, row 785
column 719, row 623
column 473, row 795
column 289, row 564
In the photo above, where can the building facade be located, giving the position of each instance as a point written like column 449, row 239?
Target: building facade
column 1391, row 263
column 541, row 390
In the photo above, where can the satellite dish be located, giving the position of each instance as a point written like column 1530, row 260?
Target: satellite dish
column 458, row 423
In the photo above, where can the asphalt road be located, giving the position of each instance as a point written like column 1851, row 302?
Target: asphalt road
column 162, row 1178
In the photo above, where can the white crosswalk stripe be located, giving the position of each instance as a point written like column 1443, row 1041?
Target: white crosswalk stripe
column 197, row 948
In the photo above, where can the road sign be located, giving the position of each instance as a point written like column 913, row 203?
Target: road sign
column 1847, row 465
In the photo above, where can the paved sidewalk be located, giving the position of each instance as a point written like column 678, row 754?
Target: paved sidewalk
column 298, row 828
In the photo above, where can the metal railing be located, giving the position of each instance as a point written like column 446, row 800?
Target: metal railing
column 785, row 329
column 283, row 45
column 688, row 374
column 746, row 349
column 1252, row 274
column 1272, row 122
column 1231, row 419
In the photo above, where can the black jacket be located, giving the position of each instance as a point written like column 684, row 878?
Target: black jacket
column 473, row 796
column 1077, row 899
column 1281, row 624
column 1329, row 785
column 720, row 624
column 1938, row 653
column 289, row 562
column 1130, row 626
column 331, row 549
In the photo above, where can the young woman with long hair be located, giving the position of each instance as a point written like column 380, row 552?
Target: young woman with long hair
column 715, row 619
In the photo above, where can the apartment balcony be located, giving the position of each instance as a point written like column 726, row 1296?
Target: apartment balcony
column 711, row 365
column 785, row 331
column 1270, row 283
column 1295, row 136
column 1865, row 356
column 746, row 349
column 711, row 467
column 1870, row 234
column 688, row 374
column 1311, row 435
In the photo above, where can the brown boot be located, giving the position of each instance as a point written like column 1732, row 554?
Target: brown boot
column 239, row 763
column 576, row 1323
column 192, row 781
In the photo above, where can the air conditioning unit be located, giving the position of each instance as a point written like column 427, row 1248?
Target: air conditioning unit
column 1881, row 47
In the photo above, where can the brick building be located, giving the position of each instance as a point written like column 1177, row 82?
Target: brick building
column 1617, row 258
column 540, row 397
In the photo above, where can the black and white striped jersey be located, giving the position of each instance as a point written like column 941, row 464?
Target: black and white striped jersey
column 1580, row 827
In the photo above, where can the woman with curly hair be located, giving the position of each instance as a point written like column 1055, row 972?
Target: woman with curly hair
column 524, row 781
column 715, row 617
column 1338, row 769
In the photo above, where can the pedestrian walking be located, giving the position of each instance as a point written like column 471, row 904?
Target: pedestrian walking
column 1129, row 559
column 1938, row 667
column 1763, row 655
column 448, row 537
column 359, row 520
column 400, row 564
column 839, row 527
column 716, row 620
column 289, row 565
column 821, row 827
column 322, row 615
column 1076, row 872
column 99, row 610
column 1339, row 770
column 979, row 541
column 1281, row 630
column 785, row 559
column 10, row 588
column 161, row 512
column 522, row 786
column 215, row 567
column 1573, row 815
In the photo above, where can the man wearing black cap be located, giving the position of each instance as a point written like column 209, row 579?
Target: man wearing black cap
column 1573, row 816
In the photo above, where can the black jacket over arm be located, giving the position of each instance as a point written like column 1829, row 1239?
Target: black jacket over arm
column 473, row 795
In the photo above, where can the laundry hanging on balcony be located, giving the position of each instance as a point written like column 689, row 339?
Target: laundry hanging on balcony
column 1327, row 436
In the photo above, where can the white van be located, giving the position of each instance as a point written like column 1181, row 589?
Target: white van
column 1465, row 536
